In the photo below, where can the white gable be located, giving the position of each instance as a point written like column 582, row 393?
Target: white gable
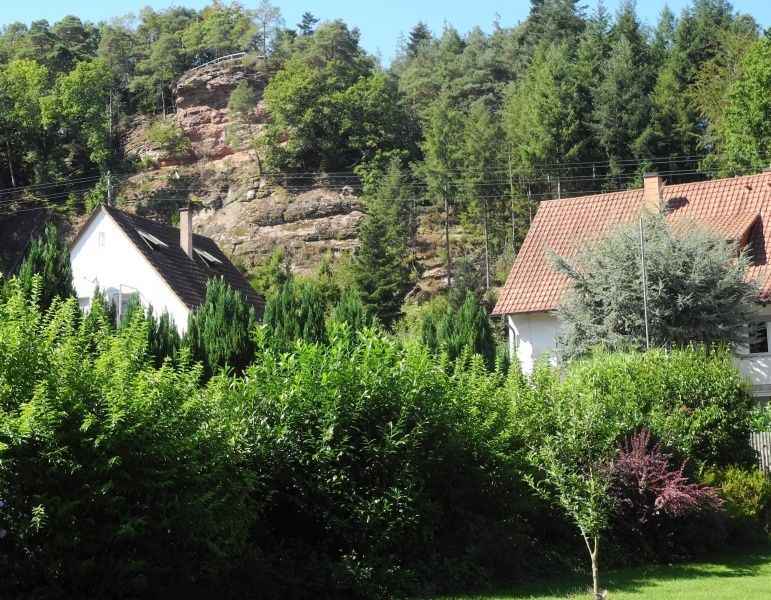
column 104, row 256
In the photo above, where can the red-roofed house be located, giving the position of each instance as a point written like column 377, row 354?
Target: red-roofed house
column 737, row 208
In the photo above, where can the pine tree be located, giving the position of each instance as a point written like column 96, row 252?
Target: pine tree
column 307, row 23
column 219, row 331
column 48, row 257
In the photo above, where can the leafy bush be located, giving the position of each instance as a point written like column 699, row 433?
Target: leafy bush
column 115, row 479
column 382, row 463
column 747, row 495
column 169, row 137
column 693, row 399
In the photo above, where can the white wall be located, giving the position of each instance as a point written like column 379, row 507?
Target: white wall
column 533, row 337
column 119, row 265
column 757, row 367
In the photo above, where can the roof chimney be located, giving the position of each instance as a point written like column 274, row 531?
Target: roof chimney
column 186, row 230
column 652, row 188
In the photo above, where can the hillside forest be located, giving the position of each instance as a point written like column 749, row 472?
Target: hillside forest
column 475, row 128
column 353, row 440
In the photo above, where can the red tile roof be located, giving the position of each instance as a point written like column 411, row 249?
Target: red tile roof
column 729, row 206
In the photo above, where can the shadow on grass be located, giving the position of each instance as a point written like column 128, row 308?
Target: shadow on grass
column 746, row 562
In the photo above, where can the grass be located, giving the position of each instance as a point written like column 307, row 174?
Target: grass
column 744, row 575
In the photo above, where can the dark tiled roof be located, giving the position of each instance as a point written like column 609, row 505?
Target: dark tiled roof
column 735, row 208
column 187, row 277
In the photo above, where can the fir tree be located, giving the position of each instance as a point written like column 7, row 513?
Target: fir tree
column 419, row 36
column 621, row 109
column 443, row 149
column 482, row 144
column 380, row 269
column 542, row 117
column 48, row 257
column 746, row 123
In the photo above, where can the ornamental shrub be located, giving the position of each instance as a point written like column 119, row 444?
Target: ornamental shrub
column 219, row 332
column 115, row 478
column 693, row 399
column 653, row 496
column 386, row 471
column 48, row 257
column 747, row 495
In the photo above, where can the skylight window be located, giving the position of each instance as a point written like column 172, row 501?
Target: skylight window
column 151, row 240
column 208, row 258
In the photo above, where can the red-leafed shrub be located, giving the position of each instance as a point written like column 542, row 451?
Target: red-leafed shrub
column 656, row 504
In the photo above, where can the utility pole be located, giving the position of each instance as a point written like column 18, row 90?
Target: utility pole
column 447, row 236
column 109, row 189
column 644, row 284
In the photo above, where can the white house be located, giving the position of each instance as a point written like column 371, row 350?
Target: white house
column 735, row 208
column 127, row 256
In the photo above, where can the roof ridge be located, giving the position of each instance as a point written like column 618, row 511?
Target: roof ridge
column 664, row 187
column 156, row 222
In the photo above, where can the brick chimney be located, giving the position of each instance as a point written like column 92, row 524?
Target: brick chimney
column 652, row 189
column 186, row 230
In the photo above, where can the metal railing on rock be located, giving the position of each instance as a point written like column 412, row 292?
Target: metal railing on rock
column 221, row 59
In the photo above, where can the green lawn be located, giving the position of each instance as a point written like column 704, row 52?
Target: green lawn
column 736, row 576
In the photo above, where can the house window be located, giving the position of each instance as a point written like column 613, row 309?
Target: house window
column 101, row 238
column 759, row 338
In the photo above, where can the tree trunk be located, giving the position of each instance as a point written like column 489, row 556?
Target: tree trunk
column 447, row 236
column 487, row 249
column 593, row 547
column 511, row 207
column 10, row 163
column 163, row 100
column 595, row 571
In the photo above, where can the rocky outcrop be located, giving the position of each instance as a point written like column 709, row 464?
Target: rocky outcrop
column 247, row 215
column 305, row 226
column 201, row 98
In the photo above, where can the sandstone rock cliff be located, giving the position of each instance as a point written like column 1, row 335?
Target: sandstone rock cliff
column 249, row 216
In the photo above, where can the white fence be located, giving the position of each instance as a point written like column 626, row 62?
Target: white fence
column 761, row 442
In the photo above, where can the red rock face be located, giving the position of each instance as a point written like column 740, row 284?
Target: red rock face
column 201, row 99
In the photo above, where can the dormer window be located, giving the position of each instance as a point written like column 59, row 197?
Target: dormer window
column 207, row 257
column 151, row 240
